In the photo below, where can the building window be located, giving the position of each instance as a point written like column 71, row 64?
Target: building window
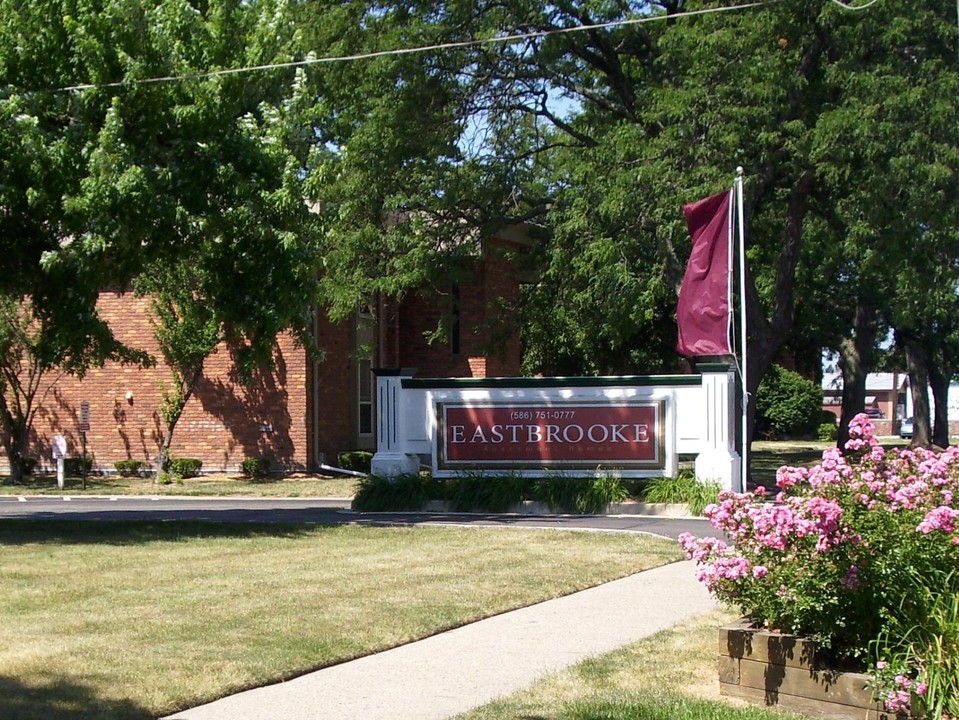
column 455, row 319
column 364, row 373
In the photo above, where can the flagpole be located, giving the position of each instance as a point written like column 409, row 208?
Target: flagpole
column 730, row 278
column 742, row 323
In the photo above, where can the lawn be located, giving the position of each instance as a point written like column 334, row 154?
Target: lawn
column 769, row 456
column 219, row 485
column 135, row 620
column 669, row 676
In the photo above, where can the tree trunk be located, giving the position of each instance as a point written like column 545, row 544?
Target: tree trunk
column 14, row 442
column 917, row 364
column 939, row 382
column 767, row 336
column 185, row 382
column 855, row 359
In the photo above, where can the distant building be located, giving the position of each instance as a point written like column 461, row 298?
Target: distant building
column 888, row 400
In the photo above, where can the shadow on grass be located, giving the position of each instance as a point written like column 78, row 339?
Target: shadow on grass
column 83, row 532
column 59, row 699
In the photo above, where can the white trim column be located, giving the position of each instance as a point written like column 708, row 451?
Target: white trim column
column 718, row 460
column 391, row 458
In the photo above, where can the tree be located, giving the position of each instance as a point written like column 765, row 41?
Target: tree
column 30, row 351
column 823, row 106
column 122, row 174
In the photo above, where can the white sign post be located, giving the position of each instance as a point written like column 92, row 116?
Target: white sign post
column 60, row 454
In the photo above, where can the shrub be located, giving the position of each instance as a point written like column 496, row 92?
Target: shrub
column 28, row 465
column 129, row 468
column 787, row 405
column 485, row 493
column 842, row 556
column 185, row 467
column 358, row 460
column 255, row 467
column 405, row 492
column 684, row 488
column 580, row 495
column 169, row 478
column 77, row 466
column 828, row 432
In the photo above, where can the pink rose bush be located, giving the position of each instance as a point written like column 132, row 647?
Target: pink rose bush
column 850, row 552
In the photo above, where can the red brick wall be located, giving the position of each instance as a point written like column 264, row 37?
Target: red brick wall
column 335, row 390
column 222, row 424
column 494, row 284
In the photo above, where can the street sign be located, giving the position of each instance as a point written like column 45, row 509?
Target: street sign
column 59, row 447
column 84, row 416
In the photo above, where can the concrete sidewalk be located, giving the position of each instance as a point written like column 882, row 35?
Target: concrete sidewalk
column 461, row 669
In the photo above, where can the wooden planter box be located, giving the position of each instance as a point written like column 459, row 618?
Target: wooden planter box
column 767, row 668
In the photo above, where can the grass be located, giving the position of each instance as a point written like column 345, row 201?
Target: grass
column 769, row 456
column 126, row 621
column 668, row 676
column 205, row 485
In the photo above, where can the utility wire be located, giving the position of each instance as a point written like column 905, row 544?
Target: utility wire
column 412, row 50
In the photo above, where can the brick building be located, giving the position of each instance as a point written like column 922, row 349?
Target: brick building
column 303, row 413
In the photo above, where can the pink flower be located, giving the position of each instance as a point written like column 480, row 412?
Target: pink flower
column 942, row 518
column 898, row 701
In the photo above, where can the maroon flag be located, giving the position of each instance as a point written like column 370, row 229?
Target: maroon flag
column 703, row 309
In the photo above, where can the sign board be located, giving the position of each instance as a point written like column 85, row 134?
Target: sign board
column 84, row 416
column 59, row 447
column 564, row 436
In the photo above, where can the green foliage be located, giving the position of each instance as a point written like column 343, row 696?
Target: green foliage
column 828, row 432
column 684, row 488
column 99, row 186
column 255, row 467
column 129, row 468
column 78, row 466
column 185, row 467
column 787, row 404
column 485, row 493
column 580, row 495
column 923, row 634
column 406, row 492
column 168, row 478
column 358, row 460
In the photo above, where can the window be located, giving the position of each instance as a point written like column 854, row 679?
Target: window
column 364, row 373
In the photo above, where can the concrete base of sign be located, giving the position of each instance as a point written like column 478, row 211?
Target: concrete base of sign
column 724, row 468
column 535, row 507
column 392, row 465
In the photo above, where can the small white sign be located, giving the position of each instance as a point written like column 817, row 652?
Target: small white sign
column 84, row 416
column 59, row 447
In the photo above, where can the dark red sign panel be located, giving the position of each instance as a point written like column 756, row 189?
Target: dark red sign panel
column 564, row 436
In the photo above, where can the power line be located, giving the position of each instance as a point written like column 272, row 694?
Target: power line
column 413, row 50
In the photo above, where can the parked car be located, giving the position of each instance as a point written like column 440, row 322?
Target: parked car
column 874, row 412
column 905, row 428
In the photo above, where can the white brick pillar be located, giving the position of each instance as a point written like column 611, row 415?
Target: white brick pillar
column 391, row 459
column 718, row 460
